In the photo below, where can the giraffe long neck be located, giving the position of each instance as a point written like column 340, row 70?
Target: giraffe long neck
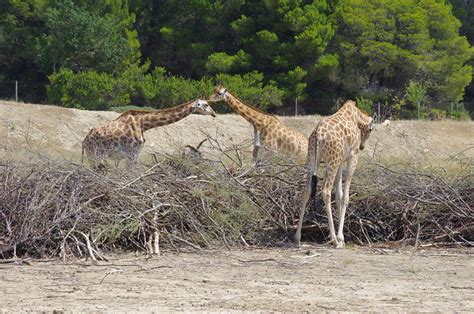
column 361, row 119
column 153, row 119
column 252, row 115
column 353, row 113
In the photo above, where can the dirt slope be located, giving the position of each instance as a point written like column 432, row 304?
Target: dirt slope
column 59, row 131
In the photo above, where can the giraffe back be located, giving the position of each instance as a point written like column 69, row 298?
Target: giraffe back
column 341, row 134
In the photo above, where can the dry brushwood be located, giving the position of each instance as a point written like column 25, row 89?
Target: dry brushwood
column 63, row 209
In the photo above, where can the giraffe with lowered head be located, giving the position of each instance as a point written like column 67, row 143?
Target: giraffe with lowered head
column 269, row 131
column 337, row 139
column 123, row 138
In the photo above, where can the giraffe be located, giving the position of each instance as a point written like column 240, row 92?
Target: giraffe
column 269, row 131
column 123, row 138
column 337, row 139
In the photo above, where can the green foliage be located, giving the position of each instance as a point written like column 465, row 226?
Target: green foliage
column 415, row 93
column 458, row 112
column 221, row 62
column 249, row 87
column 163, row 90
column 316, row 51
column 282, row 40
column 384, row 44
column 86, row 90
column 365, row 104
column 82, row 41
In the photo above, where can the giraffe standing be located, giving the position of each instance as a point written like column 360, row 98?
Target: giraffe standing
column 123, row 137
column 337, row 139
column 269, row 131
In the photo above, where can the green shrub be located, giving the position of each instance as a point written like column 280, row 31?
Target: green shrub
column 249, row 87
column 415, row 93
column 365, row 104
column 159, row 89
column 86, row 90
column 458, row 112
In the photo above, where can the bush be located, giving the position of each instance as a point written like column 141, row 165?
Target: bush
column 458, row 112
column 161, row 90
column 158, row 89
column 249, row 87
column 365, row 104
column 415, row 93
column 86, row 90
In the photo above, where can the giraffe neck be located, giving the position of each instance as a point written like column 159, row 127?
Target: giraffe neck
column 361, row 119
column 260, row 119
column 152, row 119
column 353, row 113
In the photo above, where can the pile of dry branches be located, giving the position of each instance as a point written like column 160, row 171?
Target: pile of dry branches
column 61, row 208
column 406, row 206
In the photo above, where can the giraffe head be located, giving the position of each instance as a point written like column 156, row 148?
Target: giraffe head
column 201, row 106
column 365, row 131
column 220, row 93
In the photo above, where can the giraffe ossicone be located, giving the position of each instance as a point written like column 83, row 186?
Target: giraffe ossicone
column 123, row 137
column 269, row 131
column 337, row 140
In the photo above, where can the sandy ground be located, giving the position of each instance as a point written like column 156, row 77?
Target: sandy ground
column 312, row 278
column 59, row 132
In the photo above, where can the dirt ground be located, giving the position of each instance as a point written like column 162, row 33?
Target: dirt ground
column 58, row 132
column 311, row 278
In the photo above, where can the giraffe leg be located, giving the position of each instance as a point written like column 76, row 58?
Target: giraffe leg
column 314, row 157
column 339, row 191
column 326, row 195
column 351, row 164
column 256, row 145
column 304, row 202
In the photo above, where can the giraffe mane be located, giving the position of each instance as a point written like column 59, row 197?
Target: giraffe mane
column 252, row 107
column 135, row 112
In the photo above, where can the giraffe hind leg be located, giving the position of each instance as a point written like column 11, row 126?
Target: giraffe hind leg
column 351, row 164
column 326, row 194
column 256, row 146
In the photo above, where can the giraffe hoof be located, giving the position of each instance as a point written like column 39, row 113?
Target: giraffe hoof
column 339, row 244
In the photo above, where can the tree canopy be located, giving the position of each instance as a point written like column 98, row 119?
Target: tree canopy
column 95, row 55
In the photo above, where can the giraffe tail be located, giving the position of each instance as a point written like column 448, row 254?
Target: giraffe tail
column 314, row 160
column 311, row 181
column 314, row 186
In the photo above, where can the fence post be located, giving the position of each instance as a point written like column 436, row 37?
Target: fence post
column 16, row 91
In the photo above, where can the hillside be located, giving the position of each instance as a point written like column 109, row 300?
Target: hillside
column 58, row 132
